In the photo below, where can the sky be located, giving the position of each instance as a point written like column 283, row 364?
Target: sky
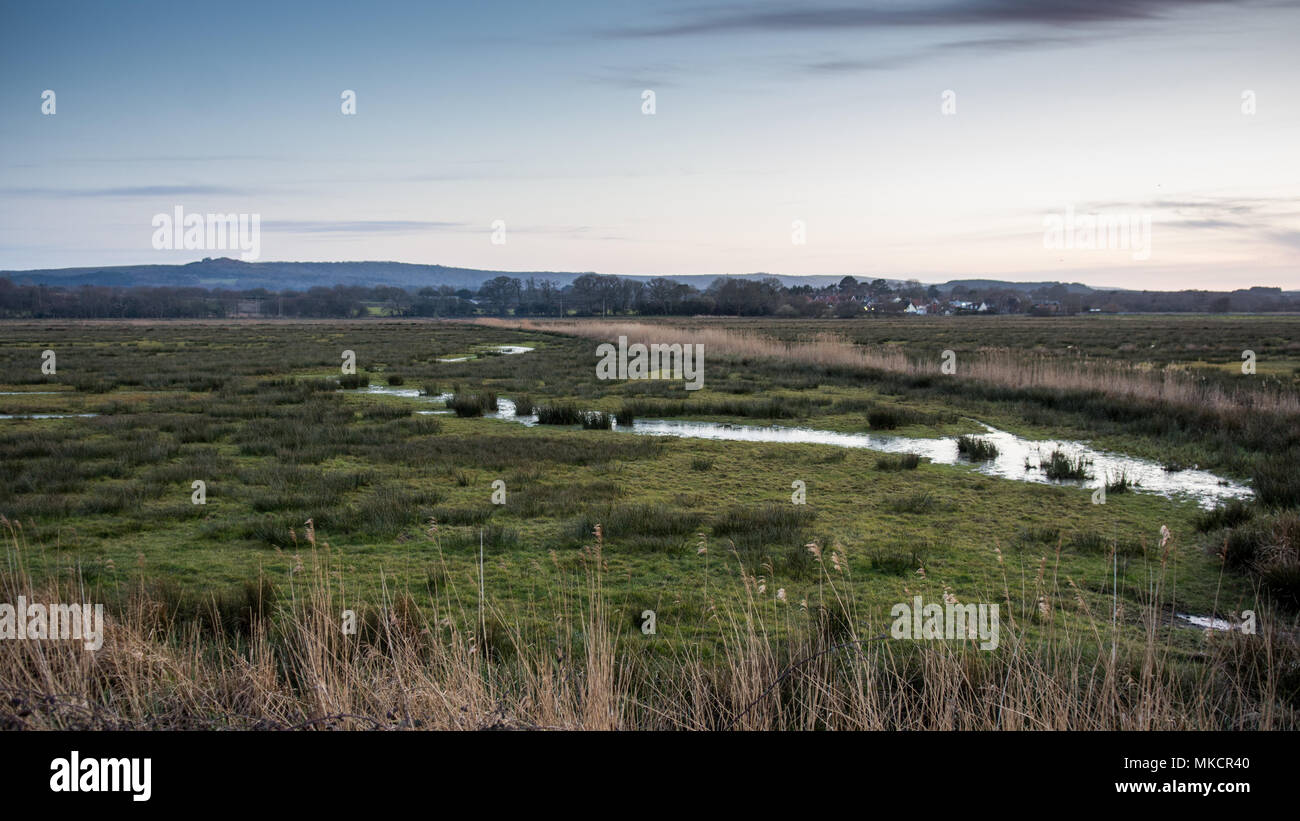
column 927, row 140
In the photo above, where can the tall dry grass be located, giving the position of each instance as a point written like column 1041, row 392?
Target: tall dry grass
column 1002, row 367
column 429, row 665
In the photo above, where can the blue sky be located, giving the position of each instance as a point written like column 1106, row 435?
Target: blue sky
column 768, row 117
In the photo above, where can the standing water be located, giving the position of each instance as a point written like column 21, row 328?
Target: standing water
column 1018, row 459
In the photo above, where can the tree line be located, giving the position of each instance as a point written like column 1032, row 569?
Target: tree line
column 606, row 295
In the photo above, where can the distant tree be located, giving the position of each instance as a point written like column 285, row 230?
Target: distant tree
column 500, row 294
column 848, row 309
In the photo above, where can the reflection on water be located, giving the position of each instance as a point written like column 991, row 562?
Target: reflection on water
column 47, row 415
column 384, row 390
column 1206, row 622
column 1018, row 459
column 503, row 349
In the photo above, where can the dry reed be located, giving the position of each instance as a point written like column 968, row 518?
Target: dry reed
column 1002, row 367
column 420, row 667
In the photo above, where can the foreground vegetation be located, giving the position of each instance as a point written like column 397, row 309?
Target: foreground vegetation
column 320, row 500
column 276, row 658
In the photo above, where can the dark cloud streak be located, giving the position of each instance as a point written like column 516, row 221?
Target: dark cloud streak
column 981, row 45
column 978, row 12
column 129, row 191
column 361, row 226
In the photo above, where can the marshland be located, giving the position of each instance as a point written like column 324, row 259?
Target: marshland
column 639, row 555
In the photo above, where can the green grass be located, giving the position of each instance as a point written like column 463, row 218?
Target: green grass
column 251, row 411
column 902, row 461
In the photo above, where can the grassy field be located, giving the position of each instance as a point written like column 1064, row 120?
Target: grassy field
column 320, row 500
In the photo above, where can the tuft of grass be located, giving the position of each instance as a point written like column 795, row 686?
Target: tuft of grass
column 895, row 562
column 352, row 381
column 385, row 412
column 1268, row 548
column 1120, row 483
column 467, row 540
column 922, row 502
column 770, row 525
column 1060, row 465
column 1232, row 514
column 475, row 515
column 976, row 448
column 1277, row 481
column 559, row 413
column 472, row 404
column 653, row 526
column 897, row 462
column 884, row 419
column 776, row 407
column 1097, row 544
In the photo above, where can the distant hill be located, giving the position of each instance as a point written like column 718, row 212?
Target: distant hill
column 234, row 274
column 1001, row 285
column 278, row 276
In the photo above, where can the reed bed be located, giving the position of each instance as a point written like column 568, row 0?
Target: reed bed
column 1003, row 367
